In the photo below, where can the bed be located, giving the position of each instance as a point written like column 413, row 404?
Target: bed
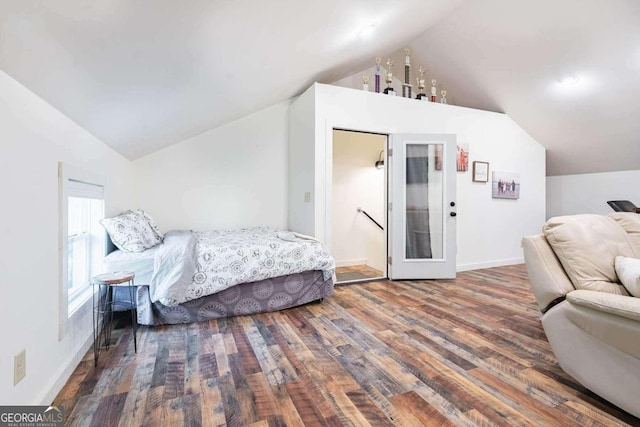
column 187, row 276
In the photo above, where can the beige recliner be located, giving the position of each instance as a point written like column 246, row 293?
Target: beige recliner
column 591, row 322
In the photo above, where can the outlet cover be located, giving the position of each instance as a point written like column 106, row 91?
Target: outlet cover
column 19, row 366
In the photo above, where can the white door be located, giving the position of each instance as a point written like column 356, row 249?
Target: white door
column 422, row 212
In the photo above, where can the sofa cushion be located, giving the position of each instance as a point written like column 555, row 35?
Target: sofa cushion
column 630, row 221
column 628, row 271
column 619, row 305
column 612, row 319
column 586, row 246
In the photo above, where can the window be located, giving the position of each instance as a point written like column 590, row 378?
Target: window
column 85, row 239
column 81, row 243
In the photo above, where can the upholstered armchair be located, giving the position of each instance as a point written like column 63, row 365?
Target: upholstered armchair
column 590, row 319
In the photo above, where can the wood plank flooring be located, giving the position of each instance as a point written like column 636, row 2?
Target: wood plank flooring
column 463, row 352
column 357, row 272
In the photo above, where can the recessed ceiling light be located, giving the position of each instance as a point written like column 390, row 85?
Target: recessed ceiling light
column 367, row 30
column 568, row 81
column 572, row 85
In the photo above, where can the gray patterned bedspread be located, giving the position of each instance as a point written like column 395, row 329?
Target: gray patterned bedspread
column 266, row 295
column 227, row 258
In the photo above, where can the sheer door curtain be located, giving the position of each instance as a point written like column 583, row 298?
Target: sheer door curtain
column 418, row 241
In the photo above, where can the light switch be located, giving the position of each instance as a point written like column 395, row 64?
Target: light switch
column 307, row 197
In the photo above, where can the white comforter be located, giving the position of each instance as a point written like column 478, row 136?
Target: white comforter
column 191, row 265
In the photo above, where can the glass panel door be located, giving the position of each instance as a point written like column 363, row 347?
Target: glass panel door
column 422, row 213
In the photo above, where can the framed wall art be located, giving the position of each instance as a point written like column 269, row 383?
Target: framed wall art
column 480, row 171
column 505, row 185
column 462, row 157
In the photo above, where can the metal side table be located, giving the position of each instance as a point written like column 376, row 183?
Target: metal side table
column 104, row 305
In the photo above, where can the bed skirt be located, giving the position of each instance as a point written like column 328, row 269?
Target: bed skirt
column 267, row 295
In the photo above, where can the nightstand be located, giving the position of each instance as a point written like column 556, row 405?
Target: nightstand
column 104, row 304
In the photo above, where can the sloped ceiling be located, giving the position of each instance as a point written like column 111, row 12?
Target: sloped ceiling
column 510, row 56
column 145, row 74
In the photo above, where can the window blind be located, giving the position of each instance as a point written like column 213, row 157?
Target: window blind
column 85, row 190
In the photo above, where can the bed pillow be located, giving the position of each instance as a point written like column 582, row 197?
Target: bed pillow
column 130, row 232
column 628, row 271
column 151, row 222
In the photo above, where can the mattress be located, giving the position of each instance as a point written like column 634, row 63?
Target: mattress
column 141, row 263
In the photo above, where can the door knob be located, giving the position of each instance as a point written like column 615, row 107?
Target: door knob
column 453, row 214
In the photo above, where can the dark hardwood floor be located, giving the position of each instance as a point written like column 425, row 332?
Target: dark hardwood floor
column 357, row 272
column 466, row 352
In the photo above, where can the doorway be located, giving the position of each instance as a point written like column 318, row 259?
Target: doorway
column 359, row 223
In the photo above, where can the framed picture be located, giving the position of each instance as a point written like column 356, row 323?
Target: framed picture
column 480, row 171
column 505, row 185
column 462, row 157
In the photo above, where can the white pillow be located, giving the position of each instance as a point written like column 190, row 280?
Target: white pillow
column 131, row 232
column 151, row 222
column 628, row 271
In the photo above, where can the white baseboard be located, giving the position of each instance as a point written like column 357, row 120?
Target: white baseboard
column 351, row 262
column 64, row 373
column 459, row 267
column 497, row 263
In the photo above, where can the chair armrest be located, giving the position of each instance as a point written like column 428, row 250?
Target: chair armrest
column 619, row 305
column 548, row 280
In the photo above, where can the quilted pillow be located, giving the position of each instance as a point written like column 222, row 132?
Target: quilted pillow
column 586, row 246
column 130, row 232
column 628, row 271
column 151, row 222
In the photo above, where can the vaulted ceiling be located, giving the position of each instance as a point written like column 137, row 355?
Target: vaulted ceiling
column 142, row 75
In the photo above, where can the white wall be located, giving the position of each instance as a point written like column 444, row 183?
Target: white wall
column 358, row 184
column 489, row 230
column 230, row 177
column 588, row 193
column 301, row 152
column 35, row 137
